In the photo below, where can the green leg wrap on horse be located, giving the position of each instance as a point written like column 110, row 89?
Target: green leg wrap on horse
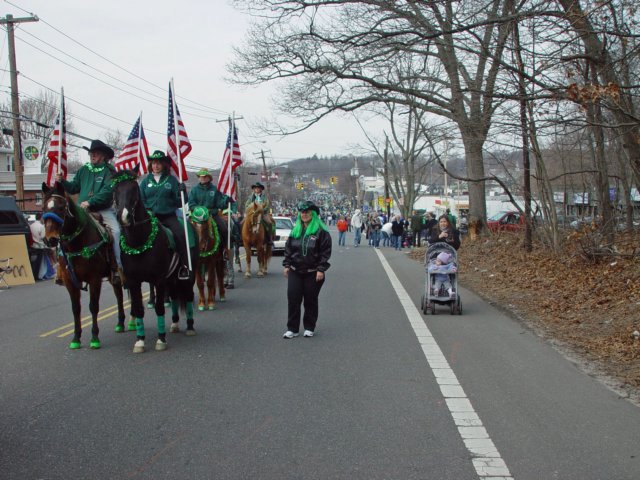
column 189, row 309
column 161, row 325
column 174, row 307
column 140, row 327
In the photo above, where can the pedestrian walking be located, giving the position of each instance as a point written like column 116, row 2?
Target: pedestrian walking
column 306, row 259
column 342, row 231
column 397, row 230
column 357, row 224
column 417, row 222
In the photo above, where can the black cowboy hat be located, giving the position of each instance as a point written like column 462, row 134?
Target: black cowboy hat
column 160, row 156
column 308, row 205
column 100, row 146
column 257, row 185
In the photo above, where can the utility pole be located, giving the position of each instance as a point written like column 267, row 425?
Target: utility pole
column 265, row 172
column 9, row 21
column 386, row 178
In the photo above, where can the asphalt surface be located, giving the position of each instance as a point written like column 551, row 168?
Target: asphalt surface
column 357, row 401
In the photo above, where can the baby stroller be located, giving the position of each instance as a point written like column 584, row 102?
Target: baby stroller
column 438, row 276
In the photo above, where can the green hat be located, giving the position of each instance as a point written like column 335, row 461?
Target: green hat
column 204, row 172
column 308, row 205
column 160, row 156
column 257, row 185
column 200, row 214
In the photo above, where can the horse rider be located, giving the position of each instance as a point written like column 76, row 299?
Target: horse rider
column 205, row 194
column 259, row 201
column 160, row 192
column 92, row 183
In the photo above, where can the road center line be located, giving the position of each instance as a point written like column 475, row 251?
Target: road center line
column 486, row 459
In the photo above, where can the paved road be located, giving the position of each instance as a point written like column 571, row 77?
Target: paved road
column 381, row 392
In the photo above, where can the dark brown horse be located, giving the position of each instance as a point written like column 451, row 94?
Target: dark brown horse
column 253, row 236
column 147, row 257
column 86, row 250
column 211, row 262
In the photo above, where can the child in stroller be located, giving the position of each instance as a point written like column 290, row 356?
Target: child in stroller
column 440, row 268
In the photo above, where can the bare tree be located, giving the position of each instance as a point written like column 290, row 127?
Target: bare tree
column 346, row 52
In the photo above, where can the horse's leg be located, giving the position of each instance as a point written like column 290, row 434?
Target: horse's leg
column 260, row 250
column 137, row 314
column 151, row 303
column 74, row 295
column 247, row 260
column 175, row 316
column 219, row 273
column 117, row 290
column 186, row 295
column 94, row 307
column 161, row 343
column 200, row 283
column 210, row 268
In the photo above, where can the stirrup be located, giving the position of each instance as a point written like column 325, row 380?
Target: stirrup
column 184, row 273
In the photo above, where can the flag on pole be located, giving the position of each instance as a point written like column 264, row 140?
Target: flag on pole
column 230, row 161
column 176, row 124
column 135, row 151
column 57, row 152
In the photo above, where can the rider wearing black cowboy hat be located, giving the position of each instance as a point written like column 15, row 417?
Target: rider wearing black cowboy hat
column 92, row 183
column 259, row 198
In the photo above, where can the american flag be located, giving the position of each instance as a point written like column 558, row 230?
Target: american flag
column 135, row 151
column 58, row 137
column 183, row 140
column 230, row 161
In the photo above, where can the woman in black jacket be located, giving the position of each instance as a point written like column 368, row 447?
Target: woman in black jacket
column 445, row 233
column 306, row 259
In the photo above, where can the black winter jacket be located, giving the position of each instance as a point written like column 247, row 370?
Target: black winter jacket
column 317, row 248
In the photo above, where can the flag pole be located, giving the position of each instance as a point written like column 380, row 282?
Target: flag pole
column 62, row 133
column 178, row 153
column 232, row 178
column 140, row 152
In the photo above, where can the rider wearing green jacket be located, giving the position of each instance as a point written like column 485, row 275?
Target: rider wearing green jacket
column 205, row 194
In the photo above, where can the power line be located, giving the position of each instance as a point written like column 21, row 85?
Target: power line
column 215, row 110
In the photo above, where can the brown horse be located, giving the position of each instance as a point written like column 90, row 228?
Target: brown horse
column 253, row 235
column 86, row 252
column 210, row 262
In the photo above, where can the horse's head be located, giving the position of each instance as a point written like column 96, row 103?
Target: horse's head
column 201, row 222
column 55, row 210
column 126, row 196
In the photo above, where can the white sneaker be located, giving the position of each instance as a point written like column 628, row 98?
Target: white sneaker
column 308, row 333
column 289, row 334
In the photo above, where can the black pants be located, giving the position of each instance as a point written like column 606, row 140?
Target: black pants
column 303, row 287
column 171, row 222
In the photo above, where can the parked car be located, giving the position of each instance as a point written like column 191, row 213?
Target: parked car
column 505, row 221
column 12, row 221
column 284, row 225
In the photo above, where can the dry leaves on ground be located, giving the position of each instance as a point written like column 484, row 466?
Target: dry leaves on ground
column 592, row 309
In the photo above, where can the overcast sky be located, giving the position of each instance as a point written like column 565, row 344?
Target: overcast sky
column 189, row 41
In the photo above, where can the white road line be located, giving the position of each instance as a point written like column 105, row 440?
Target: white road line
column 485, row 456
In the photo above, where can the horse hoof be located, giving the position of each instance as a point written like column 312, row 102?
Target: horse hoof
column 150, row 306
column 211, row 306
column 138, row 347
column 190, row 333
column 95, row 344
column 74, row 345
column 175, row 328
column 201, row 308
column 120, row 328
column 222, row 299
column 167, row 304
column 260, row 275
column 247, row 275
column 160, row 345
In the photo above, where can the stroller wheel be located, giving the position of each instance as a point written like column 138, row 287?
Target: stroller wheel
column 459, row 306
column 432, row 307
column 452, row 307
column 423, row 304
